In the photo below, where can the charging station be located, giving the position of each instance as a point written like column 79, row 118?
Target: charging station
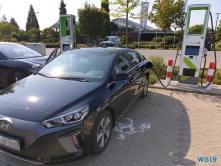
column 67, row 32
column 193, row 47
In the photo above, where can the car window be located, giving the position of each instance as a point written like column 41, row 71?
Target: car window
column 135, row 58
column 17, row 51
column 122, row 64
column 91, row 66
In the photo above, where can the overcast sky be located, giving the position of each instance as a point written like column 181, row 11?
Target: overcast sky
column 49, row 10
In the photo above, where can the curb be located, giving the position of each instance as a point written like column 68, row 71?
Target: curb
column 182, row 90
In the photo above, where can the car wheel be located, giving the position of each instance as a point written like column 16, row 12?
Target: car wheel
column 15, row 76
column 145, row 87
column 102, row 132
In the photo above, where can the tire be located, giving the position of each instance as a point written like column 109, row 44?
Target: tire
column 102, row 134
column 15, row 76
column 145, row 87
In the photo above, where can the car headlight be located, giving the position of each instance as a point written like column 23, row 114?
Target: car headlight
column 68, row 118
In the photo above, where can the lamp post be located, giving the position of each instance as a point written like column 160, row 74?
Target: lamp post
column 217, row 16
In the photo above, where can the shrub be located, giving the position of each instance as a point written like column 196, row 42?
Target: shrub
column 14, row 40
column 158, row 65
column 157, row 39
column 153, row 79
column 170, row 39
column 81, row 45
column 131, row 46
column 152, row 46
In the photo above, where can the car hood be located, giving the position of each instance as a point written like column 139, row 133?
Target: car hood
column 36, row 60
column 36, row 97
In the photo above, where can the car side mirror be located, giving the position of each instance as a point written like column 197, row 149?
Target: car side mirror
column 122, row 76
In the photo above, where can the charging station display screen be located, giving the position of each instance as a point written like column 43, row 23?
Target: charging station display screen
column 66, row 47
column 192, row 50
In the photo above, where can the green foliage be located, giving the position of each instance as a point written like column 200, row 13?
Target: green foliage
column 14, row 40
column 49, row 35
column 131, row 46
column 196, row 29
column 62, row 8
column 170, row 39
column 153, row 79
column 91, row 21
column 6, row 30
column 122, row 40
column 125, row 9
column 218, row 32
column 13, row 22
column 32, row 21
column 34, row 35
column 158, row 65
column 217, row 78
column 165, row 13
column 157, row 39
column 106, row 10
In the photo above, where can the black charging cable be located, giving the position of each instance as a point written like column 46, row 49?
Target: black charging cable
column 206, row 55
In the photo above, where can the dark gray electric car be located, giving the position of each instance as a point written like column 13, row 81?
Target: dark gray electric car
column 67, row 109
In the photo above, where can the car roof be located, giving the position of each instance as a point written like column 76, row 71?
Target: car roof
column 106, row 50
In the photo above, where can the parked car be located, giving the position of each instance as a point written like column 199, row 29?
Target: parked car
column 111, row 41
column 207, row 43
column 17, row 62
column 68, row 108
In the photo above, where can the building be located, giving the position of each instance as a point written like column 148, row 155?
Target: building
column 118, row 27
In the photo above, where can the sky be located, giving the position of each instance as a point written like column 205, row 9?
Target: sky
column 49, row 10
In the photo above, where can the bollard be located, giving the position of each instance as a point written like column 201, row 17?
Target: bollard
column 209, row 78
column 169, row 71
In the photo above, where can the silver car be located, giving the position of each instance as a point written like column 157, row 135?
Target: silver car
column 111, row 41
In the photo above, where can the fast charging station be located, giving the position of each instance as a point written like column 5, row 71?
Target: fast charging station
column 193, row 47
column 67, row 32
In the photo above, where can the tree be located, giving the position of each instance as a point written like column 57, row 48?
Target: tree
column 196, row 29
column 32, row 21
column 91, row 21
column 218, row 32
column 106, row 10
column 34, row 34
column 48, row 35
column 62, row 8
column 6, row 30
column 165, row 13
column 125, row 8
column 4, row 18
column 13, row 22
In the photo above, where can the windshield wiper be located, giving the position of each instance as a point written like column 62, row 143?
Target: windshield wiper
column 70, row 78
column 42, row 74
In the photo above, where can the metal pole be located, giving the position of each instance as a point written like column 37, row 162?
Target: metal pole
column 216, row 21
column 174, row 35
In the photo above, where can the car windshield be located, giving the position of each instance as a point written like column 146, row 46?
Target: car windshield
column 109, row 39
column 85, row 66
column 13, row 51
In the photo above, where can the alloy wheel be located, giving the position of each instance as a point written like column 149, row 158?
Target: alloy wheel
column 103, row 132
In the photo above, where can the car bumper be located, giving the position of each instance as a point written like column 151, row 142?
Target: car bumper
column 69, row 143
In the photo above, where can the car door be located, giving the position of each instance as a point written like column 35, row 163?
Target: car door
column 136, row 64
column 122, row 92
